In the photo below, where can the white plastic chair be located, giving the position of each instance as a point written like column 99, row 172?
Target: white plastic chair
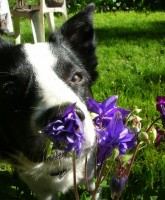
column 36, row 15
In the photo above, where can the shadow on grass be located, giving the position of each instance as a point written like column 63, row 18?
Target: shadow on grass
column 149, row 31
column 154, row 78
column 11, row 187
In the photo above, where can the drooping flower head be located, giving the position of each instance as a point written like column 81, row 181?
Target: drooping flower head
column 116, row 135
column 117, row 185
column 105, row 110
column 67, row 133
column 160, row 104
column 160, row 136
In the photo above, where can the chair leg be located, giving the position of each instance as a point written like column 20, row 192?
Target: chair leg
column 64, row 11
column 37, row 23
column 50, row 18
column 16, row 25
column 64, row 15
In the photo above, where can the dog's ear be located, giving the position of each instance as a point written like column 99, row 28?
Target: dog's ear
column 79, row 33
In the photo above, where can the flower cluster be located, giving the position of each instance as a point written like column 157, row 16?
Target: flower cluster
column 113, row 136
column 67, row 133
column 111, row 131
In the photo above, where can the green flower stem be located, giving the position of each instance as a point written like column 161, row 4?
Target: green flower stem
column 117, row 197
column 86, row 174
column 127, row 119
column 74, row 176
column 133, row 158
column 99, row 179
column 109, row 169
column 152, row 124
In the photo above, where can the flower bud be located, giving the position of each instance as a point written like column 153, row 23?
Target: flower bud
column 117, row 184
column 137, row 125
column 143, row 136
column 125, row 158
column 137, row 110
column 152, row 135
column 115, row 153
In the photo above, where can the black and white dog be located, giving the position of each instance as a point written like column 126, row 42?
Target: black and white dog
column 37, row 82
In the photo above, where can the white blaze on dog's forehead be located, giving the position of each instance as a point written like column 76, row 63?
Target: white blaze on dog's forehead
column 40, row 55
column 52, row 89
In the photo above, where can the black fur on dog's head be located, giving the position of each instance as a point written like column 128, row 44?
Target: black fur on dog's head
column 38, row 81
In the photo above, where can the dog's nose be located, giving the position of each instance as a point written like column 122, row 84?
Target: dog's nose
column 80, row 113
column 56, row 112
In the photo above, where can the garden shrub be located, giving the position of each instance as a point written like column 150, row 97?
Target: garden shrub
column 108, row 5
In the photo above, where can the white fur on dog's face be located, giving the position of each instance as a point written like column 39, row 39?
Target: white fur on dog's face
column 52, row 90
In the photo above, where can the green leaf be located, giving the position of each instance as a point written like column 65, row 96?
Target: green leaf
column 125, row 158
column 104, row 184
column 84, row 196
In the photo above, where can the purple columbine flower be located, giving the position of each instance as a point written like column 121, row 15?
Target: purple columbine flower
column 116, row 135
column 105, row 110
column 67, row 132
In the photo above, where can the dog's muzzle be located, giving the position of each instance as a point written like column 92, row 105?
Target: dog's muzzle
column 56, row 155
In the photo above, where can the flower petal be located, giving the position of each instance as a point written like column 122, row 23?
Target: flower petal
column 115, row 126
column 69, row 110
column 109, row 103
column 94, row 106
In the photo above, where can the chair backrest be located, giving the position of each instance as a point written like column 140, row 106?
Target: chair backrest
column 36, row 15
column 43, row 5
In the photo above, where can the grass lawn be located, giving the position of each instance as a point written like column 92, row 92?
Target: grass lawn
column 131, row 54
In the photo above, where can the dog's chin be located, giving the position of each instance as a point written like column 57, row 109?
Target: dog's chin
column 61, row 169
column 56, row 165
column 58, row 155
column 60, row 162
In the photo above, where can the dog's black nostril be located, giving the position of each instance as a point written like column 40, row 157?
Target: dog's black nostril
column 80, row 114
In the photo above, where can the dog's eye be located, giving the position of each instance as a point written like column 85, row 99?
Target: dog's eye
column 9, row 89
column 76, row 78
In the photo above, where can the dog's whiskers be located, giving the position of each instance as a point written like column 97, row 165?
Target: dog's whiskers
column 29, row 109
column 4, row 73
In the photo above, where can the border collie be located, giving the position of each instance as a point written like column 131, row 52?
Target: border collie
column 37, row 83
